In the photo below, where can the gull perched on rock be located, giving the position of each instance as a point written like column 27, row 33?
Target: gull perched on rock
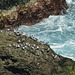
column 38, row 54
column 37, row 47
column 23, row 48
column 17, row 46
column 23, row 40
column 9, row 33
column 18, row 33
column 48, row 50
column 21, row 45
column 14, row 45
column 34, row 45
column 1, row 31
column 42, row 50
column 19, row 41
column 9, row 45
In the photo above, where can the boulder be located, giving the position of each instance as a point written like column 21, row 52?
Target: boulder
column 24, row 55
column 34, row 11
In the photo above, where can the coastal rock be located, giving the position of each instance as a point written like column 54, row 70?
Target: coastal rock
column 34, row 11
column 23, row 58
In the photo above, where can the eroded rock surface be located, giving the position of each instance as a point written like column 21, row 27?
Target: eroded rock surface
column 23, row 55
column 34, row 11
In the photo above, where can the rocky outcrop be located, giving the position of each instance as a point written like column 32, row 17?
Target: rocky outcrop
column 24, row 55
column 34, row 11
column 2, row 21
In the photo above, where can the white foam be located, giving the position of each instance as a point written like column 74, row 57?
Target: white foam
column 69, row 1
column 58, row 31
column 73, row 58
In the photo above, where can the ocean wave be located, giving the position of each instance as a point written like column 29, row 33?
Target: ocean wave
column 59, row 31
column 69, row 1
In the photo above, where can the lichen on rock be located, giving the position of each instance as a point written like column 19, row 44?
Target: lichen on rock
column 23, row 55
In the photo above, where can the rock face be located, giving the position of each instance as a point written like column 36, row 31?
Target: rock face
column 23, row 55
column 34, row 11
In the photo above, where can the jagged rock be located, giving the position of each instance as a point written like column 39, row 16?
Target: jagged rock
column 30, row 60
column 34, row 11
column 2, row 21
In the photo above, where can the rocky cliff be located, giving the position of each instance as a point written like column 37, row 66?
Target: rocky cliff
column 23, row 55
column 33, row 12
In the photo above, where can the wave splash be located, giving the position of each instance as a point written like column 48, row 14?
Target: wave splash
column 69, row 1
column 59, row 31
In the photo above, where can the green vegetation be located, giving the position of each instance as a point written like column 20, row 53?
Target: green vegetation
column 2, row 21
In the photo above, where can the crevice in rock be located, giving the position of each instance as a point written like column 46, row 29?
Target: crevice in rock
column 4, row 57
column 17, row 70
column 8, row 57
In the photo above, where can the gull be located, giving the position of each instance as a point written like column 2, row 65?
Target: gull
column 18, row 46
column 21, row 45
column 48, row 50
column 38, row 54
column 42, row 50
column 23, row 40
column 23, row 48
column 18, row 33
column 9, row 33
column 52, row 54
column 55, row 56
column 26, row 44
column 34, row 45
column 38, row 63
column 18, row 41
column 29, row 45
column 8, row 29
column 37, row 47
column 1, row 31
column 9, row 45
column 14, row 45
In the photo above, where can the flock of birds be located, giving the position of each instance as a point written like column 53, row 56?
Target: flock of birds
column 26, row 45
column 21, row 43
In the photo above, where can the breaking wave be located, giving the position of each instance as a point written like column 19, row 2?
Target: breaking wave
column 59, row 31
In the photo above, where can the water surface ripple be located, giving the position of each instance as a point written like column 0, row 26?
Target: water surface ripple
column 59, row 31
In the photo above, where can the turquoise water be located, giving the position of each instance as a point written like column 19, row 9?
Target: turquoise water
column 59, row 31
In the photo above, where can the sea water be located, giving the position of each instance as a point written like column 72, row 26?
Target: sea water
column 59, row 31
